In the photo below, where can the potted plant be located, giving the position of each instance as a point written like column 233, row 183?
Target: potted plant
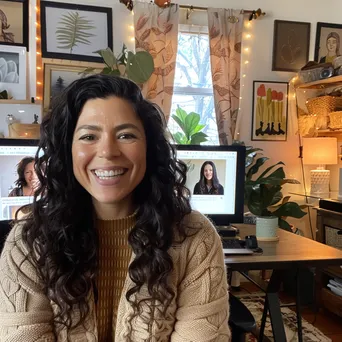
column 137, row 67
column 263, row 195
column 189, row 123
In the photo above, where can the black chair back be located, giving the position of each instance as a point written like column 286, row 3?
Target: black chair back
column 5, row 227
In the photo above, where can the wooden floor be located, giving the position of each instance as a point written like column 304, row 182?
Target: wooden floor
column 328, row 323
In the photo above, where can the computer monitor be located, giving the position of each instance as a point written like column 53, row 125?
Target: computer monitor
column 12, row 152
column 224, row 202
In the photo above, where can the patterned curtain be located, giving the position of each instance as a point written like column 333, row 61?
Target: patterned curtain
column 156, row 31
column 225, row 33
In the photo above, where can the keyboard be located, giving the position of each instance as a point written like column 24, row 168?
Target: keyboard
column 232, row 243
column 234, row 246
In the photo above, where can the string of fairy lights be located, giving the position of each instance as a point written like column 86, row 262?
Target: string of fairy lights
column 39, row 61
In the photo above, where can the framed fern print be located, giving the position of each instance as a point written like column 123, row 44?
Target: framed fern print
column 75, row 32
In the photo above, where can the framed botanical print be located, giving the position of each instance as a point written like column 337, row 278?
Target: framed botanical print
column 14, row 29
column 328, row 42
column 13, row 71
column 291, row 43
column 75, row 32
column 58, row 77
column 269, row 121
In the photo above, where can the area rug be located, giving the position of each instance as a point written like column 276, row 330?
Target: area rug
column 255, row 304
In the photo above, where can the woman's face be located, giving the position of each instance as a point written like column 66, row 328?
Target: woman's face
column 208, row 172
column 331, row 44
column 109, row 151
column 30, row 175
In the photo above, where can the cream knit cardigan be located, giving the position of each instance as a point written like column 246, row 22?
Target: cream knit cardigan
column 198, row 313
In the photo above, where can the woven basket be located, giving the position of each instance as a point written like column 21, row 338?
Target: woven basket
column 338, row 103
column 322, row 105
column 24, row 131
column 335, row 119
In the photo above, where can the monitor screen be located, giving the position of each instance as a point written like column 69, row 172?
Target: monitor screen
column 16, row 189
column 215, row 178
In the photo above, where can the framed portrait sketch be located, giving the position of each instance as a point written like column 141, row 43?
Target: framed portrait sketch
column 75, row 32
column 269, row 121
column 13, row 71
column 291, row 43
column 328, row 42
column 14, row 28
column 58, row 77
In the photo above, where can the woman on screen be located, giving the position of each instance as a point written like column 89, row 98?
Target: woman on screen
column 107, row 253
column 208, row 183
column 27, row 178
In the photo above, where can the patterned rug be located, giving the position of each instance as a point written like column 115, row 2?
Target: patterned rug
column 255, row 305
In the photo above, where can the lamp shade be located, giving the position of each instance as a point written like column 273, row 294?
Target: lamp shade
column 322, row 151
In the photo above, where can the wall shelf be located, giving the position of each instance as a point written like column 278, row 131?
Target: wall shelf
column 16, row 102
column 321, row 84
column 329, row 133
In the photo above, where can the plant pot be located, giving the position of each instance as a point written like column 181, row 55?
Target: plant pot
column 266, row 228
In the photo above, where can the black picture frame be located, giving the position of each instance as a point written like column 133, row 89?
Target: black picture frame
column 291, row 44
column 45, row 5
column 261, row 114
column 321, row 34
column 24, row 23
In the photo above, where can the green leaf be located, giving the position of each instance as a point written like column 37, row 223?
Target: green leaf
column 181, row 114
column 108, row 57
column 284, row 225
column 198, row 128
column 139, row 67
column 115, row 72
column 87, row 71
column 191, row 121
column 198, row 138
column 179, row 122
column 277, row 198
column 290, row 209
column 178, row 137
column 269, row 169
column 255, row 168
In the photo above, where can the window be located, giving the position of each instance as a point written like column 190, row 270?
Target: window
column 193, row 90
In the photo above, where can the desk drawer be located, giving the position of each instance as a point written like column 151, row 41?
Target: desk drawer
column 332, row 302
column 332, row 238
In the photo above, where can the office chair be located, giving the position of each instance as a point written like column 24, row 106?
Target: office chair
column 241, row 321
column 5, row 227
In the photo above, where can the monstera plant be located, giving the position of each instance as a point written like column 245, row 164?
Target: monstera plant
column 137, row 67
column 191, row 128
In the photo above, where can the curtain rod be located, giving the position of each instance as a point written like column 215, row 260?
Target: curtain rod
column 205, row 8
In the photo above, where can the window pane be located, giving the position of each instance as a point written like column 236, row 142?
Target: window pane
column 203, row 105
column 193, row 61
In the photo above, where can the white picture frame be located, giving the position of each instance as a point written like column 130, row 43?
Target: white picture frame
column 13, row 76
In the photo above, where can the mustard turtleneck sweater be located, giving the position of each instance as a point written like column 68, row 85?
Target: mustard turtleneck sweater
column 114, row 256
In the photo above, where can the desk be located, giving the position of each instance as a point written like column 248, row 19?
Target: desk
column 290, row 252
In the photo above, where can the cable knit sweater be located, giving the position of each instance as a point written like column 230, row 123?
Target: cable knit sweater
column 198, row 312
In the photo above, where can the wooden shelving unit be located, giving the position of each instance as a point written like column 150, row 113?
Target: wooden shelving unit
column 321, row 84
column 19, row 102
column 329, row 133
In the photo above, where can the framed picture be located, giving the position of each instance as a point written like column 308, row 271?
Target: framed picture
column 328, row 42
column 291, row 43
column 58, row 77
column 75, row 32
column 14, row 19
column 13, row 71
column 269, row 121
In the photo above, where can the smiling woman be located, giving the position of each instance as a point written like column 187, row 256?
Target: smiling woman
column 112, row 250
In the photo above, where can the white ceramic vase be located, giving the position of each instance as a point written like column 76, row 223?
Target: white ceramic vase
column 266, row 227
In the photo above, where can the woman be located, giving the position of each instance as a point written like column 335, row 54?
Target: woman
column 27, row 179
column 113, row 250
column 209, row 183
column 333, row 48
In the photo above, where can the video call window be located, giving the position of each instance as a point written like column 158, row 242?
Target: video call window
column 18, row 179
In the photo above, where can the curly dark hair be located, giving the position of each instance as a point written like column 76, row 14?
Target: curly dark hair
column 64, row 213
column 203, row 180
column 21, row 181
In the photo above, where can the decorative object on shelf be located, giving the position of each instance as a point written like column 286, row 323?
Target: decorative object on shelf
column 24, row 131
column 263, row 196
column 320, row 151
column 35, row 119
column 13, row 71
column 10, row 119
column 269, row 111
column 328, row 40
column 75, row 32
column 137, row 67
column 311, row 71
column 58, row 77
column 191, row 128
column 14, row 23
column 320, row 107
column 291, row 43
column 4, row 95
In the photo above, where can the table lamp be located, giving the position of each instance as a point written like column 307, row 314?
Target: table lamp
column 321, row 152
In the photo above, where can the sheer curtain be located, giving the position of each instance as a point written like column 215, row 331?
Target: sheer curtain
column 156, row 31
column 225, row 34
